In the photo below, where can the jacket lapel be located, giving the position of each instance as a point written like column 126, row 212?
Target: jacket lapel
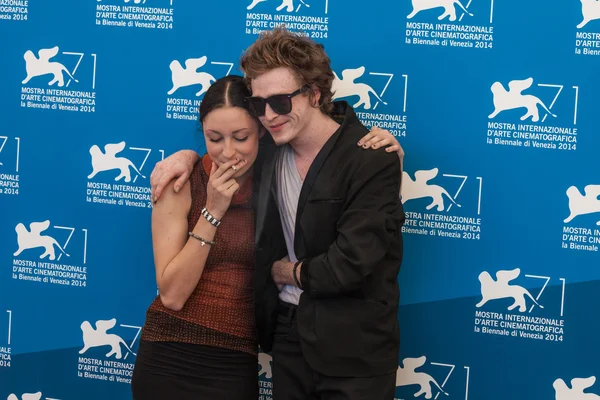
column 317, row 164
column 265, row 189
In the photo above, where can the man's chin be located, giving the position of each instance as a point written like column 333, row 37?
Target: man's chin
column 279, row 142
column 280, row 138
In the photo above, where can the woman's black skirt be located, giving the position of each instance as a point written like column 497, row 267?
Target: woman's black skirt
column 182, row 371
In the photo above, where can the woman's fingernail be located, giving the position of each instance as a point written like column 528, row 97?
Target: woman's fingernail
column 365, row 146
column 176, row 189
column 359, row 143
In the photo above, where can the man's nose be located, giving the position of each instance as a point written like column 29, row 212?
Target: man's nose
column 270, row 115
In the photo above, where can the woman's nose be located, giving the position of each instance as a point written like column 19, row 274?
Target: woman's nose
column 229, row 150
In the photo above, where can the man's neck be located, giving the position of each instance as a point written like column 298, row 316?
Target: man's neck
column 311, row 140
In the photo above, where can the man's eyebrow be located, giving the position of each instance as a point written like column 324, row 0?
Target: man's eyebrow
column 285, row 92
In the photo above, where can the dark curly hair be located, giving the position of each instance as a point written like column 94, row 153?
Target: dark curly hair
column 306, row 58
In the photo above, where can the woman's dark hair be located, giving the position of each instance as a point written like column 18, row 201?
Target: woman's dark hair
column 228, row 91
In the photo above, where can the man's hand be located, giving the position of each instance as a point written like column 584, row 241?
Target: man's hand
column 282, row 272
column 178, row 165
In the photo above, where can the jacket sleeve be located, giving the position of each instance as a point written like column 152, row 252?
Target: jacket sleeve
column 370, row 223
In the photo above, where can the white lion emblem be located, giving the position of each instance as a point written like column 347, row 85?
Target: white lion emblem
column 578, row 385
column 407, row 376
column 98, row 338
column 513, row 98
column 264, row 362
column 26, row 396
column 346, row 87
column 287, row 4
column 590, row 10
column 189, row 75
column 33, row 239
column 419, row 188
column 448, row 5
column 583, row 204
column 500, row 289
column 108, row 161
column 43, row 66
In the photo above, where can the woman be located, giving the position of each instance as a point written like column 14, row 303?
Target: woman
column 198, row 341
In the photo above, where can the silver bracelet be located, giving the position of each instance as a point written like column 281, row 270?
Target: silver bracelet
column 204, row 241
column 210, row 218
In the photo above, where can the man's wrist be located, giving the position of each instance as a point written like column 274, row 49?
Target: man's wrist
column 288, row 273
column 193, row 155
column 283, row 273
column 296, row 273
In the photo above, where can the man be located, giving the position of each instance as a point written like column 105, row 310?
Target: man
column 328, row 232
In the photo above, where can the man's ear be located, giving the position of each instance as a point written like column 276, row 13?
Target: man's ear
column 316, row 96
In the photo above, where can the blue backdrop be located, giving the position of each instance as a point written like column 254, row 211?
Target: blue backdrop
column 494, row 103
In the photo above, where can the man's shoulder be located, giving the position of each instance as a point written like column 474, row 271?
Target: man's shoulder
column 349, row 144
column 352, row 130
column 377, row 157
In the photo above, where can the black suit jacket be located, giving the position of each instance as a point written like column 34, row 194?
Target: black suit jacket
column 348, row 234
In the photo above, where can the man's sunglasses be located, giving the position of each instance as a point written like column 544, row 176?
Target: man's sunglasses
column 279, row 103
